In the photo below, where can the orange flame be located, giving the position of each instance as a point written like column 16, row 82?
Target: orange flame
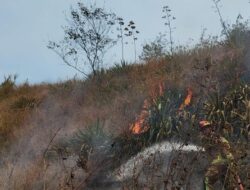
column 138, row 127
column 141, row 125
column 187, row 100
column 189, row 97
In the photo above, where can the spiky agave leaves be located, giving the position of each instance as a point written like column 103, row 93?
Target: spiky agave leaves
column 166, row 120
column 231, row 112
column 89, row 141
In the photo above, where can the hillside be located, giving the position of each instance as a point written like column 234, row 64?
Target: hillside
column 69, row 134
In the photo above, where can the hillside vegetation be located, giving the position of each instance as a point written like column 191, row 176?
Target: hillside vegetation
column 50, row 132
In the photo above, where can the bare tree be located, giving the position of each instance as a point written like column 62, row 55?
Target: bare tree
column 87, row 38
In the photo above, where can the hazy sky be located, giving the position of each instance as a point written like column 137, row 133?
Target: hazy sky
column 27, row 25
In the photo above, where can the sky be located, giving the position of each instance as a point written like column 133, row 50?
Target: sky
column 26, row 26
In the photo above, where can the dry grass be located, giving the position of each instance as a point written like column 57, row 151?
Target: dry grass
column 17, row 104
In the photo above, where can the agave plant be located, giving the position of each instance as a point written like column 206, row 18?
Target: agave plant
column 231, row 112
column 93, row 139
column 166, row 120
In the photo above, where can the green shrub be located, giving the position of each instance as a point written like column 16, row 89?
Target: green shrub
column 163, row 113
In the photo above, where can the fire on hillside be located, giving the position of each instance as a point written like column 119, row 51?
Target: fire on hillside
column 187, row 100
column 141, row 125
